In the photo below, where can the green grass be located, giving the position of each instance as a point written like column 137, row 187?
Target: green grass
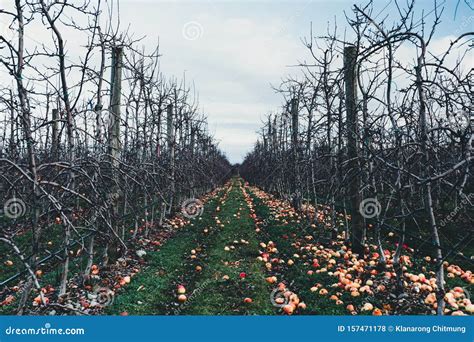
column 286, row 235
column 208, row 293
column 217, row 296
column 153, row 286
column 51, row 237
column 153, row 290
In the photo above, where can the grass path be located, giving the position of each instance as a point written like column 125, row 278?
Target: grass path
column 214, row 258
column 247, row 247
column 249, row 253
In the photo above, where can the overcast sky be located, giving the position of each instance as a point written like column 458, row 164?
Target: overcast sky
column 234, row 51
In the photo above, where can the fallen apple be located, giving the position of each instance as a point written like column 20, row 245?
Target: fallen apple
column 271, row 280
column 367, row 307
column 302, row 305
column 181, row 289
column 288, row 309
column 377, row 312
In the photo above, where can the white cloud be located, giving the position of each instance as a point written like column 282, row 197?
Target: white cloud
column 232, row 64
column 242, row 48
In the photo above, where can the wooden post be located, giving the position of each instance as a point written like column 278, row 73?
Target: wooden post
column 350, row 80
column 13, row 119
column 470, row 147
column 114, row 140
column 114, row 115
column 171, row 150
column 55, row 137
column 193, row 139
column 295, row 145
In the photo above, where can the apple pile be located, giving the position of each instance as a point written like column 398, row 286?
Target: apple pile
column 290, row 301
column 355, row 278
column 181, row 293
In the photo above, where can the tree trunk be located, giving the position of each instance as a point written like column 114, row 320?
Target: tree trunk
column 358, row 226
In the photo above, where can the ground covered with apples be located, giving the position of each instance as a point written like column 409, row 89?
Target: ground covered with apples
column 249, row 253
